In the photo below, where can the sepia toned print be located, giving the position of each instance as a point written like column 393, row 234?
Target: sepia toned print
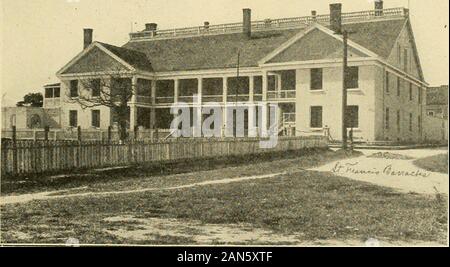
column 327, row 126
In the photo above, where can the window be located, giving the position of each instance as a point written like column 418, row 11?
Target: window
column 52, row 92
column 48, row 92
column 387, row 82
column 387, row 118
column 74, row 88
column 95, row 86
column 316, row 79
column 352, row 77
column 410, row 92
column 419, row 123
column 316, row 117
column 73, row 118
column 399, row 54
column 419, row 92
column 410, row 122
column 399, row 83
column 398, row 120
column 96, row 118
column 56, row 92
column 405, row 60
column 431, row 113
column 352, row 117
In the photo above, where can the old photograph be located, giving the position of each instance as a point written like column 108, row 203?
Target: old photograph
column 239, row 123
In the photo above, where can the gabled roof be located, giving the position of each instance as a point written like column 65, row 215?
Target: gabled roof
column 211, row 52
column 373, row 38
column 101, row 56
column 314, row 37
column 220, row 51
column 377, row 36
column 135, row 58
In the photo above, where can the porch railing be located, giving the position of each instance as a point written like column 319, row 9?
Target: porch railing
column 212, row 98
column 239, row 98
column 282, row 94
column 289, row 117
column 165, row 99
column 144, row 99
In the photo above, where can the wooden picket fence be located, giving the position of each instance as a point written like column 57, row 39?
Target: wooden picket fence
column 30, row 157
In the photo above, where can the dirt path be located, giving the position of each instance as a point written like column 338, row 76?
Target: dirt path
column 50, row 194
column 400, row 174
column 149, row 229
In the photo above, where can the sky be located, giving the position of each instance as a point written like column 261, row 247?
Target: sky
column 38, row 37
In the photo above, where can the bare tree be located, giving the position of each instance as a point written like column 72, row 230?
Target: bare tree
column 113, row 91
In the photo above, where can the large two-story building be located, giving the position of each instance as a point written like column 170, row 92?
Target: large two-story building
column 296, row 63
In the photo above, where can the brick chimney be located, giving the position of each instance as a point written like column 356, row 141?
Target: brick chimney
column 378, row 7
column 314, row 15
column 247, row 22
column 151, row 27
column 336, row 17
column 87, row 39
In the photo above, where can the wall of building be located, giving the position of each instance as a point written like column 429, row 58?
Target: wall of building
column 404, row 41
column 389, row 99
column 14, row 115
column 435, row 129
column 330, row 98
column 437, row 111
column 23, row 117
column 84, row 115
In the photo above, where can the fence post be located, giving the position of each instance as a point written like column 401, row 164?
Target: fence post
column 46, row 130
column 79, row 133
column 14, row 147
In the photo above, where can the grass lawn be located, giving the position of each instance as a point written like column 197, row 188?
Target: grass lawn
column 438, row 163
column 310, row 205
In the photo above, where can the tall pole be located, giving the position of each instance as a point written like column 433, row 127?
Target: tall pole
column 344, row 91
column 237, row 93
column 237, row 75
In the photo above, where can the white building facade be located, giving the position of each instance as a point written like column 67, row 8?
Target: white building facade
column 295, row 63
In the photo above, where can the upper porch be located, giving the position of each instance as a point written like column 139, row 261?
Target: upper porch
column 267, row 86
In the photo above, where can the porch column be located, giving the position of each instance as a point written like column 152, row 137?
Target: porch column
column 153, row 99
column 278, row 82
column 252, row 130
column 224, row 99
column 133, row 89
column 264, row 86
column 251, row 89
column 133, row 107
column 176, row 83
column 198, row 109
column 133, row 116
column 263, row 107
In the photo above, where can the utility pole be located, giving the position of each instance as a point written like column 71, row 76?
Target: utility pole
column 237, row 75
column 344, row 90
column 238, row 85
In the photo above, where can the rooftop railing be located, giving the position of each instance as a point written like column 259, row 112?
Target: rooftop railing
column 270, row 24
